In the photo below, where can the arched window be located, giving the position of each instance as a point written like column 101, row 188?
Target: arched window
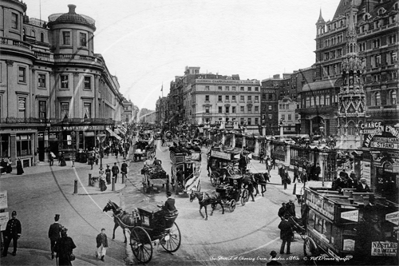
column 377, row 96
column 42, row 37
column 321, row 100
column 351, row 128
column 33, row 33
column 317, row 100
column 328, row 99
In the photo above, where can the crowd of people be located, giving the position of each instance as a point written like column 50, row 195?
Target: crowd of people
column 7, row 168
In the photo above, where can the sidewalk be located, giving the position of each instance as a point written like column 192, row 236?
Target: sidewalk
column 24, row 257
column 84, row 171
column 256, row 167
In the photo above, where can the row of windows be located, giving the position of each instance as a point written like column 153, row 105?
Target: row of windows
column 390, row 59
column 66, row 38
column 33, row 34
column 243, row 120
column 318, row 100
column 233, row 109
column 391, row 98
column 376, row 24
column 332, row 70
column 64, row 80
column 42, row 109
column 233, row 98
column 332, row 54
column 233, row 88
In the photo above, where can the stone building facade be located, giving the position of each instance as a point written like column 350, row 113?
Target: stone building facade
column 56, row 94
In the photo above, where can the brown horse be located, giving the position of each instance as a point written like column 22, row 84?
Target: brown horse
column 204, row 199
column 121, row 218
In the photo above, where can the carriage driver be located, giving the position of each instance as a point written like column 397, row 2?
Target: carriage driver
column 168, row 208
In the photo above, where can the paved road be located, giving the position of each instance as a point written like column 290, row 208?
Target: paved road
column 243, row 237
column 44, row 191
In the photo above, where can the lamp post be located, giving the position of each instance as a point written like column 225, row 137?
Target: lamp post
column 281, row 127
column 101, row 138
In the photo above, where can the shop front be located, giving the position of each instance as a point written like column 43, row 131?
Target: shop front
column 381, row 159
column 19, row 143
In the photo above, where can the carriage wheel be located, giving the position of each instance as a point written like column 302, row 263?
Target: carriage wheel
column 232, row 205
column 141, row 244
column 244, row 197
column 310, row 248
column 172, row 239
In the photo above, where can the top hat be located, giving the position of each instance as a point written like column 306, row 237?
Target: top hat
column 57, row 216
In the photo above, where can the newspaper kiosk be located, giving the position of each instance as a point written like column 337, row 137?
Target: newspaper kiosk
column 350, row 227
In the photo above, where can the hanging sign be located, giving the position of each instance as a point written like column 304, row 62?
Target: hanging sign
column 4, row 217
column 351, row 215
column 392, row 217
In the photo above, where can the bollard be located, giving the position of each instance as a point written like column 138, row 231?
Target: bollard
column 75, row 187
column 89, row 180
column 113, row 184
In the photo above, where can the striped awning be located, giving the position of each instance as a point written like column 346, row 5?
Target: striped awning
column 113, row 134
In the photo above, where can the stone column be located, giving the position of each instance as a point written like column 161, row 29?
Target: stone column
column 257, row 148
column 287, row 161
column 263, row 130
column 223, row 137
column 322, row 163
column 13, row 147
column 233, row 141
column 268, row 148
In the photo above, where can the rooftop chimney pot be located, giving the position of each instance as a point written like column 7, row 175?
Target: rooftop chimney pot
column 72, row 9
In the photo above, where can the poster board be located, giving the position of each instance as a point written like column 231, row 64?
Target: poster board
column 3, row 200
column 4, row 217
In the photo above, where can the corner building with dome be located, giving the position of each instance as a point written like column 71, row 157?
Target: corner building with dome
column 56, row 93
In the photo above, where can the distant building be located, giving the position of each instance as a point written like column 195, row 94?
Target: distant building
column 224, row 100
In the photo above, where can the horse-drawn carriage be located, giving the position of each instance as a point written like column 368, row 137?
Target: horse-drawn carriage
column 140, row 150
column 222, row 165
column 147, row 224
column 154, row 175
column 185, row 172
column 233, row 192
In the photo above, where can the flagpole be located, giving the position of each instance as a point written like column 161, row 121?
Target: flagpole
column 162, row 89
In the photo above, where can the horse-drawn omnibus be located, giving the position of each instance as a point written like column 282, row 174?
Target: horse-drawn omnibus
column 351, row 227
column 222, row 164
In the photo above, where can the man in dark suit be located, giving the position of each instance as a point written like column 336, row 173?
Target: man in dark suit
column 115, row 172
column 13, row 231
column 286, row 234
column 363, row 187
column 54, row 233
column 169, row 205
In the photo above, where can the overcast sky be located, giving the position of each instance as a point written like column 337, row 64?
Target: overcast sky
column 146, row 43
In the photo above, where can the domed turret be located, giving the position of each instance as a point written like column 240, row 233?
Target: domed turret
column 72, row 18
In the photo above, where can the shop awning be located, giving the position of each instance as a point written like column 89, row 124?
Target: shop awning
column 113, row 134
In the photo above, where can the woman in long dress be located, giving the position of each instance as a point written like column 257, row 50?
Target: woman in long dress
column 9, row 167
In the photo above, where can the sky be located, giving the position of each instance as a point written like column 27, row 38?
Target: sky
column 146, row 43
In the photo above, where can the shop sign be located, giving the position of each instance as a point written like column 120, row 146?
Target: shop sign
column 221, row 155
column 392, row 217
column 351, row 215
column 77, row 128
column 349, row 245
column 321, row 205
column 365, row 168
column 3, row 200
column 4, row 217
column 370, row 130
column 380, row 248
